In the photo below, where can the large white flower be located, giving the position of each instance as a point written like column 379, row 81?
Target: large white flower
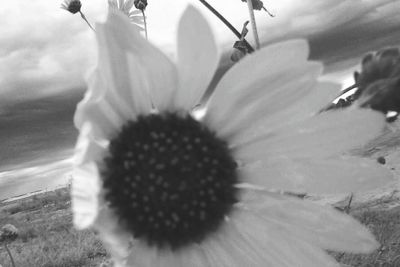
column 167, row 188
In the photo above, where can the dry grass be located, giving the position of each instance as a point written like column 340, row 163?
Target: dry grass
column 46, row 237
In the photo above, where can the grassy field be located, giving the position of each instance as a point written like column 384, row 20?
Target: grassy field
column 47, row 238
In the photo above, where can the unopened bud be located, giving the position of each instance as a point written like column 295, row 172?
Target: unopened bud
column 140, row 4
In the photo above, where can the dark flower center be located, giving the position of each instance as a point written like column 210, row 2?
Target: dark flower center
column 170, row 179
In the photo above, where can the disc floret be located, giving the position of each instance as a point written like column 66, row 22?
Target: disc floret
column 170, row 179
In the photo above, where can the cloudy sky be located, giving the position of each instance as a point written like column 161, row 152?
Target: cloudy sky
column 44, row 49
column 45, row 53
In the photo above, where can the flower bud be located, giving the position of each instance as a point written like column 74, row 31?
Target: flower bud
column 73, row 6
column 140, row 4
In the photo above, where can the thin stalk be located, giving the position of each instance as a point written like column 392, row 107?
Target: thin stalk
column 226, row 22
column 9, row 254
column 347, row 208
column 269, row 13
column 145, row 24
column 84, row 18
column 253, row 23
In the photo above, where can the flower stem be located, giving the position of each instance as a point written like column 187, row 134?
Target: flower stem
column 145, row 23
column 253, row 23
column 226, row 22
column 269, row 13
column 84, row 18
column 10, row 255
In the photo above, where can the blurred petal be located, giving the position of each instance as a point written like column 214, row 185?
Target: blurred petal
column 128, row 5
column 276, row 246
column 268, row 97
column 306, row 107
column 98, row 107
column 331, row 176
column 323, row 135
column 105, row 122
column 143, row 255
column 114, row 237
column 113, row 68
column 229, row 248
column 146, row 70
column 197, row 58
column 87, row 149
column 84, row 195
column 261, row 72
column 321, row 226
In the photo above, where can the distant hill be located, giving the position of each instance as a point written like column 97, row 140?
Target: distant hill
column 37, row 128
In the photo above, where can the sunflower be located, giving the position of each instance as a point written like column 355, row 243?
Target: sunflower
column 165, row 184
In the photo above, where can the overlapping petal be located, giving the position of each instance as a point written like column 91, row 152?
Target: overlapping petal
column 321, row 226
column 320, row 176
column 84, row 195
column 275, row 247
column 265, row 98
column 197, row 58
column 326, row 134
column 146, row 70
column 262, row 73
column 191, row 256
column 114, row 237
column 302, row 108
column 98, row 108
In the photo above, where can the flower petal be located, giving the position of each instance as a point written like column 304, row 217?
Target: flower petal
column 268, row 97
column 275, row 245
column 98, row 109
column 261, row 73
column 227, row 248
column 113, row 65
column 332, row 175
column 321, row 226
column 326, row 134
column 84, row 195
column 305, row 107
column 143, row 255
column 87, row 149
column 150, row 71
column 105, row 122
column 197, row 58
column 115, row 238
column 128, row 4
column 121, row 3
